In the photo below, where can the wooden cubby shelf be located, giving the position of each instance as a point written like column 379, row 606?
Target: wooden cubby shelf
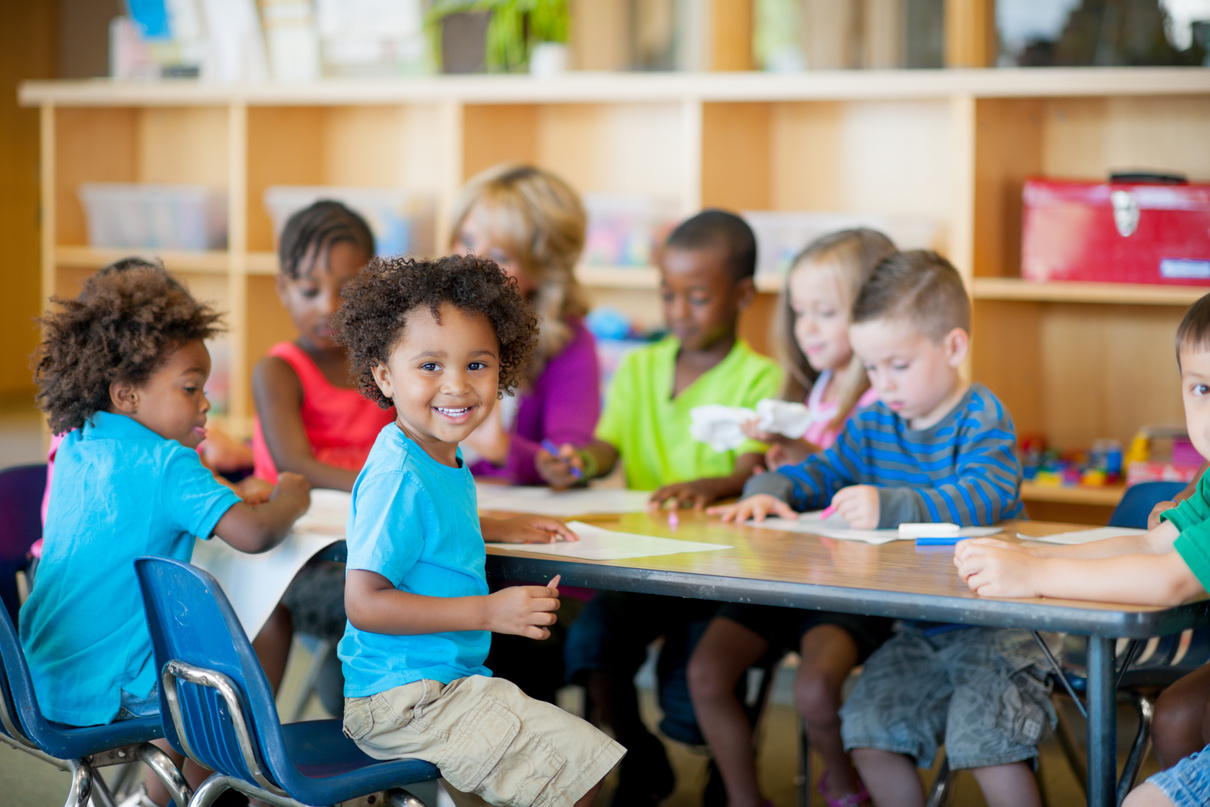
column 1073, row 362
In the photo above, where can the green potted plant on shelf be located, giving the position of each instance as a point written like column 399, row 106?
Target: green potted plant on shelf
column 500, row 36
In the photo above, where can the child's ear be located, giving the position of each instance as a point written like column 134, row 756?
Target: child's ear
column 957, row 345
column 124, row 397
column 745, row 292
column 382, row 377
column 279, row 284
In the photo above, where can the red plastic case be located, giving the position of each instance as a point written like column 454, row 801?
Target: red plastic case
column 1117, row 232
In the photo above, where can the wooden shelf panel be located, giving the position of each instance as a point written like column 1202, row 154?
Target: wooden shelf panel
column 1107, row 496
column 209, row 262
column 586, row 87
column 645, row 278
column 1009, row 288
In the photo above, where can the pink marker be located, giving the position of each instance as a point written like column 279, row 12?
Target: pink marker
column 828, row 511
column 673, row 521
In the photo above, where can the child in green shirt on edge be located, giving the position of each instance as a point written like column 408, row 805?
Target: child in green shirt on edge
column 1166, row 566
column 705, row 281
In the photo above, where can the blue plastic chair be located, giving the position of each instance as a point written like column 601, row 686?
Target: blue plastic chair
column 79, row 750
column 1138, row 500
column 223, row 714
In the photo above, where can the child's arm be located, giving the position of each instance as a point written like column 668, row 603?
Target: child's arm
column 1155, row 542
column 1153, row 519
column 279, row 397
column 595, row 459
column 373, row 604
column 701, row 492
column 256, row 528
column 1143, row 579
column 984, row 486
column 525, row 530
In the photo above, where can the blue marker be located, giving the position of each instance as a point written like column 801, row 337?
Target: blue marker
column 553, row 450
column 938, row 540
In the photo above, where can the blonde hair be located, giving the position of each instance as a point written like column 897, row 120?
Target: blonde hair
column 540, row 220
column 850, row 256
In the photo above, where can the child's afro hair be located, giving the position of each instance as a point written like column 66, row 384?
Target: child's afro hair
column 126, row 321
column 378, row 302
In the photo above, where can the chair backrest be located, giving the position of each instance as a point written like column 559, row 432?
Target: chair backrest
column 1137, row 501
column 191, row 621
column 21, row 490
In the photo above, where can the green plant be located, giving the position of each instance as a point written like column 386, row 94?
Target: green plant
column 514, row 28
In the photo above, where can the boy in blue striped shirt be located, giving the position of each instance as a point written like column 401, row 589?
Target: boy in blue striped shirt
column 934, row 448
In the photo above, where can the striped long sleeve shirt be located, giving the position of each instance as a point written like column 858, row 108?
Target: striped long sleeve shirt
column 962, row 469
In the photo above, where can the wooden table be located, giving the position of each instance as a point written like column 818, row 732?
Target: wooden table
column 770, row 567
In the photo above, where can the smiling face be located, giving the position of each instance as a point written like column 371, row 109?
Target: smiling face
column 701, row 299
column 171, row 402
column 314, row 296
column 915, row 376
column 474, row 238
column 821, row 317
column 443, row 376
column 1195, row 393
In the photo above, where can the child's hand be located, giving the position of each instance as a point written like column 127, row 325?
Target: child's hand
column 253, row 490
column 524, row 610
column 962, row 548
column 1153, row 519
column 858, row 505
column 753, row 431
column 292, row 488
column 756, row 507
column 994, row 571
column 696, row 494
column 528, row 530
column 560, row 471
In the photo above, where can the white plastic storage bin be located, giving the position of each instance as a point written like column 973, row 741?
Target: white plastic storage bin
column 188, row 217
column 781, row 235
column 402, row 222
column 626, row 229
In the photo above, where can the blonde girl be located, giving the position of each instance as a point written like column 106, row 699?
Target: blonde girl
column 810, row 338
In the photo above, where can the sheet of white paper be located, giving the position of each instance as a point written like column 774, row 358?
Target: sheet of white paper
column 561, row 504
column 600, row 544
column 836, row 527
column 254, row 584
column 1082, row 536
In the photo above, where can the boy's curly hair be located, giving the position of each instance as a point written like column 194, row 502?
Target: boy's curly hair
column 127, row 319
column 378, row 302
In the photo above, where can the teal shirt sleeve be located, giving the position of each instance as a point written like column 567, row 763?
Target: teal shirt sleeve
column 1192, row 518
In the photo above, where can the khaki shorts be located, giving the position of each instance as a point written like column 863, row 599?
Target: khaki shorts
column 487, row 738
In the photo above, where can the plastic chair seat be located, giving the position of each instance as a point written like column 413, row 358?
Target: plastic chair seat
column 222, row 711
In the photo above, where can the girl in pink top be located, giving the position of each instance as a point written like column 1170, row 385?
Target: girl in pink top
column 812, row 334
column 310, row 417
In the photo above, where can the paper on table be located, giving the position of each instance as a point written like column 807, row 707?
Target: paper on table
column 836, row 527
column 565, row 504
column 600, row 544
column 254, row 584
column 1082, row 536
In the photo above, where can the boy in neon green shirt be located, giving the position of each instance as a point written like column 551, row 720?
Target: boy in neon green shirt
column 705, row 281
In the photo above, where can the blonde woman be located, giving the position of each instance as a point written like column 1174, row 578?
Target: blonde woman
column 532, row 224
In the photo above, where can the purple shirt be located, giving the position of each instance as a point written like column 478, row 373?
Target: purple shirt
column 562, row 406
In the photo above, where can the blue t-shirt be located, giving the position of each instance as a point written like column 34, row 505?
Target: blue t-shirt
column 414, row 521
column 120, row 491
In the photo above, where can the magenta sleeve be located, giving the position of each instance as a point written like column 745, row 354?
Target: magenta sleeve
column 563, row 406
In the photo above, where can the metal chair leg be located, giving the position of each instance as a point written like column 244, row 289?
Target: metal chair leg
column 81, row 785
column 1141, row 745
column 939, row 794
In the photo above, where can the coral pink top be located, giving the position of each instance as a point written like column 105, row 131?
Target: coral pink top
column 340, row 423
